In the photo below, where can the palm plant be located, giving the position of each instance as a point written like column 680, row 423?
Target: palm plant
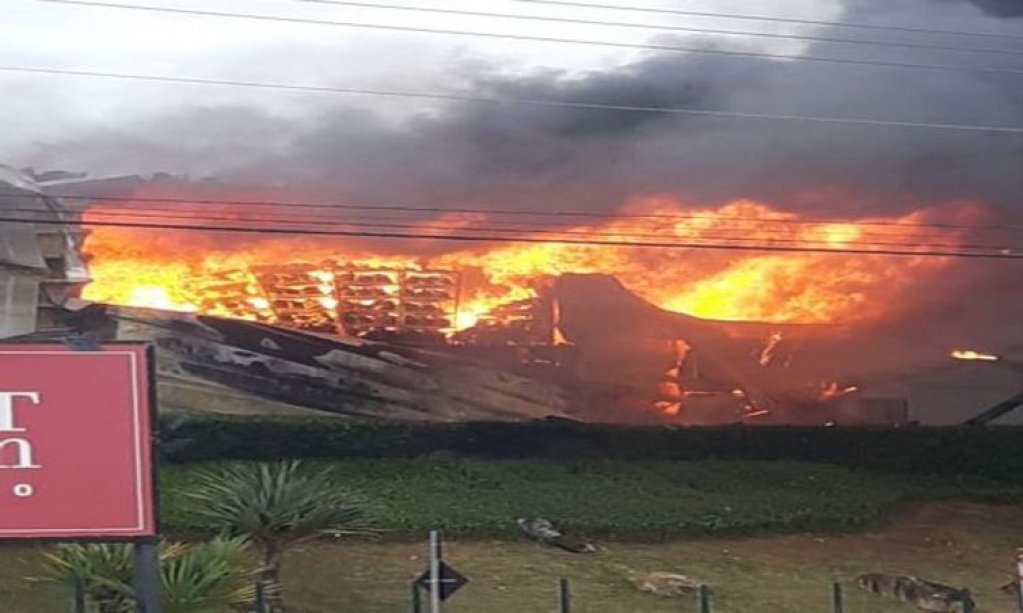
column 102, row 571
column 195, row 577
column 276, row 506
column 215, row 574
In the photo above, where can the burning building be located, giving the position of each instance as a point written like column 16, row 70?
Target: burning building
column 510, row 329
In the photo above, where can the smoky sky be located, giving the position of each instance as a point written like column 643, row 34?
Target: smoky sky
column 545, row 158
column 1000, row 8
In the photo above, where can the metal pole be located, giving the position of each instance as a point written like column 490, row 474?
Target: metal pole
column 417, row 598
column 837, row 597
column 435, row 557
column 565, row 597
column 1019, row 576
column 704, row 599
column 146, row 575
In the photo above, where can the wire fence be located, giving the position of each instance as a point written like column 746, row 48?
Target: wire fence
column 564, row 600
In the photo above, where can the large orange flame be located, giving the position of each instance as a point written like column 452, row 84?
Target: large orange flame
column 182, row 270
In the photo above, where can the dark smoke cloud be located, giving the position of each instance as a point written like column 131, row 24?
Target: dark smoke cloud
column 487, row 155
column 1000, row 8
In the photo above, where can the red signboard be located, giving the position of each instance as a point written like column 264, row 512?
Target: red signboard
column 75, row 453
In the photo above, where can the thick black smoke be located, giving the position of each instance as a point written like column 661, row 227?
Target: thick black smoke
column 1000, row 8
column 543, row 158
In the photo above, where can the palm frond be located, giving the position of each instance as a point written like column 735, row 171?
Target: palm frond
column 195, row 577
column 276, row 502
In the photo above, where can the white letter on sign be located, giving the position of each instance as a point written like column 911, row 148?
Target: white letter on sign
column 7, row 409
column 22, row 453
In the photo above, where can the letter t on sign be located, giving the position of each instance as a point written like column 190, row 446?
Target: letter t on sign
column 7, row 409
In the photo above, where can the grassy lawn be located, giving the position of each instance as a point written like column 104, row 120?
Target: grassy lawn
column 958, row 543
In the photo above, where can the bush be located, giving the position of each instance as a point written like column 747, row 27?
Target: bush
column 991, row 452
column 195, row 577
column 608, row 497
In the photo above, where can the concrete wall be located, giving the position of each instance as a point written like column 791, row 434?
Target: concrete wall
column 40, row 261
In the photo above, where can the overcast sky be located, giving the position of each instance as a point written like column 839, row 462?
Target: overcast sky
column 48, row 109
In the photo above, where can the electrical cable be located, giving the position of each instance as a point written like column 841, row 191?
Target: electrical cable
column 477, row 238
column 510, row 212
column 545, row 39
column 792, row 20
column 540, row 227
column 501, row 100
column 615, row 233
column 665, row 28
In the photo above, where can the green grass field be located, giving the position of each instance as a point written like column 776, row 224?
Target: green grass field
column 767, row 536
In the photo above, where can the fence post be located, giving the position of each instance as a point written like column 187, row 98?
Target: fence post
column 262, row 606
column 705, row 599
column 565, row 597
column 417, row 598
column 77, row 595
column 1019, row 576
column 837, row 597
column 968, row 605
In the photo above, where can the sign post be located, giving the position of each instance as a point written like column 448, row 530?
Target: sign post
column 146, row 571
column 76, row 449
column 435, row 560
column 440, row 580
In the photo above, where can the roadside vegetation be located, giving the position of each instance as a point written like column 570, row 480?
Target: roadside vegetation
column 622, row 499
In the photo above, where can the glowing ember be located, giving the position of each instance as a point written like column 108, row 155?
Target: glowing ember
column 969, row 354
column 835, row 390
column 214, row 274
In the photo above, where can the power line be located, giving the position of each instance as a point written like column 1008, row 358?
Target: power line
column 432, row 227
column 736, row 16
column 716, row 233
column 667, row 28
column 478, row 238
column 502, row 100
column 510, row 212
column 547, row 39
column 542, row 225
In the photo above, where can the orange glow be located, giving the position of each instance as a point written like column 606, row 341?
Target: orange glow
column 968, row 354
column 189, row 271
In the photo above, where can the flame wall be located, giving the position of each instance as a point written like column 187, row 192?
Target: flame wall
column 179, row 270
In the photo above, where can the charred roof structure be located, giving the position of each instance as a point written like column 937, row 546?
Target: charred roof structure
column 237, row 366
